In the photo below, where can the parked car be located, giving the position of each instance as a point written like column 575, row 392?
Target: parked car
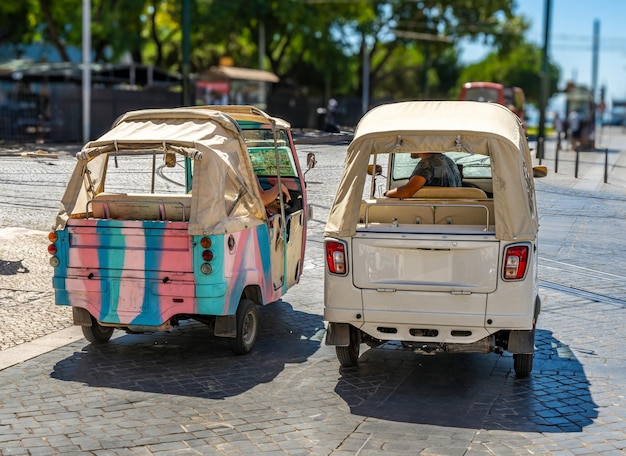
column 450, row 269
column 162, row 220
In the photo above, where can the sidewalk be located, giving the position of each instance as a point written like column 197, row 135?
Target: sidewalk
column 590, row 176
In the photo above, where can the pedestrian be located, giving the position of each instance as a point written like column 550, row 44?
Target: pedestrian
column 574, row 122
column 331, row 126
column 558, row 128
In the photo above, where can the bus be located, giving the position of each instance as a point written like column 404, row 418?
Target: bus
column 511, row 97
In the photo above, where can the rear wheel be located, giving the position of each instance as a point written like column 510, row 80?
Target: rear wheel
column 523, row 364
column 96, row 333
column 247, row 328
column 349, row 356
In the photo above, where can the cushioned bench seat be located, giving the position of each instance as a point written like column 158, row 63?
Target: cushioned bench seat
column 141, row 206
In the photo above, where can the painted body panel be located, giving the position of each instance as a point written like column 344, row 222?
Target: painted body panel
column 144, row 273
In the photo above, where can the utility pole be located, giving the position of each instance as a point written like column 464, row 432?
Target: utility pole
column 594, row 58
column 365, row 96
column 544, row 80
column 86, row 70
column 186, row 51
column 262, row 84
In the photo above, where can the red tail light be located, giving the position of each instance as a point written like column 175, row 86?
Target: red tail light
column 515, row 262
column 336, row 257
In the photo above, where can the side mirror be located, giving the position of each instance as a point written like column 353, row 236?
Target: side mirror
column 310, row 160
column 370, row 170
column 540, row 171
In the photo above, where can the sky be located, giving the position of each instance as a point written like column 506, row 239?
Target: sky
column 571, row 40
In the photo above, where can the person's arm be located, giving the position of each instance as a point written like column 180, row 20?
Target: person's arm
column 269, row 195
column 408, row 190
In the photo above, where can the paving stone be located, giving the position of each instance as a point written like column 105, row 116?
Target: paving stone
column 185, row 393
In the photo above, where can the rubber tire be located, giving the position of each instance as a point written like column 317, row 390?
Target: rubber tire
column 349, row 356
column 523, row 364
column 96, row 333
column 247, row 328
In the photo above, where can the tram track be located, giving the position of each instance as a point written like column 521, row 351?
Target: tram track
column 582, row 271
column 590, row 295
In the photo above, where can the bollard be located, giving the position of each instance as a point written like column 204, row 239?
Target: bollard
column 556, row 155
column 576, row 166
column 606, row 165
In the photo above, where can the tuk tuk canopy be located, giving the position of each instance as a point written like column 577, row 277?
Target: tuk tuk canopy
column 225, row 194
column 443, row 126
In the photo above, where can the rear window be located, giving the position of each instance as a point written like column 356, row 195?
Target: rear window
column 475, row 166
column 482, row 94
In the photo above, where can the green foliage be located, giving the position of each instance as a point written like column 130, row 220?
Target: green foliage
column 410, row 48
column 14, row 24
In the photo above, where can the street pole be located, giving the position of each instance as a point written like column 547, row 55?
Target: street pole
column 262, row 84
column 86, row 70
column 544, row 80
column 186, row 51
column 365, row 96
column 594, row 58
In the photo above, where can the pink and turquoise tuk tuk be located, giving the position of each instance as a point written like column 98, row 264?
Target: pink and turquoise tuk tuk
column 162, row 221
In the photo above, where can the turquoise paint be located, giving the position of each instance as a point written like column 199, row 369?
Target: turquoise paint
column 210, row 289
column 110, row 261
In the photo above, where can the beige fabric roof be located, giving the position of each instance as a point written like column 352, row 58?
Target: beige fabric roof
column 245, row 74
column 443, row 126
column 245, row 112
column 211, row 138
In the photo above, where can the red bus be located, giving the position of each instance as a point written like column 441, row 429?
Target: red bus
column 511, row 97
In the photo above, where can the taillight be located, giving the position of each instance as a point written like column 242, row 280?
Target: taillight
column 336, row 257
column 515, row 262
column 207, row 255
column 52, row 249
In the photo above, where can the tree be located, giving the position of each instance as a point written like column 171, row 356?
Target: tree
column 14, row 22
column 410, row 49
column 406, row 43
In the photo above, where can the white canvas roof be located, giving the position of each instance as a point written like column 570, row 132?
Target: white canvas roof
column 210, row 138
column 444, row 126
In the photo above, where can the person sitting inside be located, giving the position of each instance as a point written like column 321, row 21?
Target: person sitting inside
column 434, row 169
column 269, row 196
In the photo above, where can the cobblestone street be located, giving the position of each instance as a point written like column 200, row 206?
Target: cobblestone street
column 185, row 393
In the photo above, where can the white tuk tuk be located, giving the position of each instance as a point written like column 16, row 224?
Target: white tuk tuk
column 447, row 269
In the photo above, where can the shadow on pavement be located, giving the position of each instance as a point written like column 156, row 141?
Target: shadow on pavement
column 12, row 267
column 190, row 361
column 472, row 390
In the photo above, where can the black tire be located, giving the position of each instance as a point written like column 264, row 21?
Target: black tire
column 349, row 356
column 96, row 333
column 247, row 328
column 523, row 364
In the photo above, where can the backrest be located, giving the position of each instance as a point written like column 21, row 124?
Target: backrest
column 450, row 193
column 125, row 206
